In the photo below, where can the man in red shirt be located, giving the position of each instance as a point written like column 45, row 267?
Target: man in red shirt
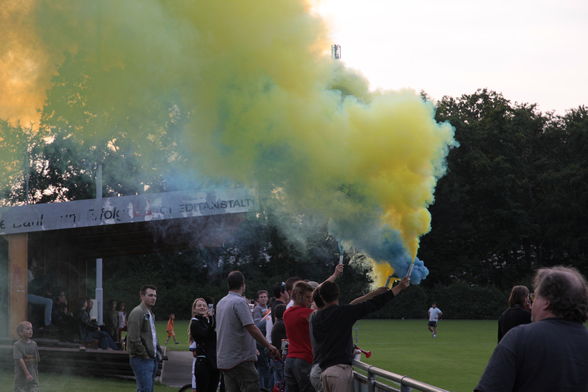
column 299, row 360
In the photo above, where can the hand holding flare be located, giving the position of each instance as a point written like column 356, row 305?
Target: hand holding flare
column 404, row 283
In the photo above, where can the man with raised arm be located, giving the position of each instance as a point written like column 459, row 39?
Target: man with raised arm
column 236, row 336
column 332, row 332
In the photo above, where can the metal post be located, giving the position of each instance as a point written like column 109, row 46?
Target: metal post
column 27, row 175
column 99, row 182
column 404, row 388
column 336, row 52
column 371, row 381
column 99, row 291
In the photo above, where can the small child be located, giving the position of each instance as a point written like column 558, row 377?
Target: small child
column 171, row 333
column 26, row 360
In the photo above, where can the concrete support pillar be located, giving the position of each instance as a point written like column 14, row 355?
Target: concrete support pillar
column 17, row 279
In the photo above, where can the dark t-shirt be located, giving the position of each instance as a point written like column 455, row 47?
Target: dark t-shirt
column 547, row 355
column 273, row 307
column 278, row 333
column 332, row 329
column 512, row 317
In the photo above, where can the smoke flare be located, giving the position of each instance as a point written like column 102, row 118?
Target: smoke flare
column 262, row 104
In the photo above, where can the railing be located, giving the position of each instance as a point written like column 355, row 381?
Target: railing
column 370, row 383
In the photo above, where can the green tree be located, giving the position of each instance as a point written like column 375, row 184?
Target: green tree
column 512, row 191
column 480, row 218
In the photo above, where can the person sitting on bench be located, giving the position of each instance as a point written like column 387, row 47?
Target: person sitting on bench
column 89, row 329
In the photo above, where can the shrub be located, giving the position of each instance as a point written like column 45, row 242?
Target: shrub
column 457, row 301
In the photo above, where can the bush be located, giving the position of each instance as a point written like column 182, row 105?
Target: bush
column 457, row 301
column 412, row 303
column 463, row 301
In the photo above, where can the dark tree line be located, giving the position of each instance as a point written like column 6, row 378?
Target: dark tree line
column 515, row 194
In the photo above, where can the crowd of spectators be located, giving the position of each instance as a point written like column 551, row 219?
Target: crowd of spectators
column 282, row 343
column 300, row 340
column 56, row 317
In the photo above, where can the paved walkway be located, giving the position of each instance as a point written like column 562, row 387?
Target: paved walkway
column 177, row 370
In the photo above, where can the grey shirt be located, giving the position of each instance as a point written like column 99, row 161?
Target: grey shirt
column 29, row 353
column 234, row 344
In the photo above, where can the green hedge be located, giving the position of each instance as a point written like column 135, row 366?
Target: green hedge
column 457, row 301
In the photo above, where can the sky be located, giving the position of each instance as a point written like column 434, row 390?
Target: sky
column 531, row 51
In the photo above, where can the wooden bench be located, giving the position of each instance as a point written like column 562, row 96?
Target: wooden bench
column 88, row 362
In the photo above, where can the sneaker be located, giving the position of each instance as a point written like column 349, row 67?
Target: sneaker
column 434, row 335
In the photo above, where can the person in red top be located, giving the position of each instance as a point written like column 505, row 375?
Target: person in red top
column 299, row 360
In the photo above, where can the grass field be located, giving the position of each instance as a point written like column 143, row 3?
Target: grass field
column 60, row 383
column 181, row 328
column 454, row 360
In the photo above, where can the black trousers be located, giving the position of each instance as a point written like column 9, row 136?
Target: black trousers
column 206, row 375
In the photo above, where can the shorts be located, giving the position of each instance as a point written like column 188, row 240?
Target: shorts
column 432, row 324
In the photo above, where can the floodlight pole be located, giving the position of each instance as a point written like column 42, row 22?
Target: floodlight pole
column 99, row 290
column 336, row 52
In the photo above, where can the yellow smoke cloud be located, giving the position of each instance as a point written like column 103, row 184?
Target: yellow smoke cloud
column 21, row 82
column 264, row 103
column 380, row 273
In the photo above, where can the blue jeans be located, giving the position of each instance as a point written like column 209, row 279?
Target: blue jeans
column 104, row 339
column 297, row 375
column 145, row 370
column 47, row 304
column 266, row 379
column 277, row 370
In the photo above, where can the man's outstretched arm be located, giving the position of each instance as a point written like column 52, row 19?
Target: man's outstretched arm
column 370, row 295
column 257, row 335
column 336, row 274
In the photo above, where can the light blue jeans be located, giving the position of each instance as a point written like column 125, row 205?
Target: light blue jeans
column 145, row 370
column 46, row 302
column 277, row 370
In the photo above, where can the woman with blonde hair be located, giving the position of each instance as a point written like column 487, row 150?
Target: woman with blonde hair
column 202, row 332
column 192, row 345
